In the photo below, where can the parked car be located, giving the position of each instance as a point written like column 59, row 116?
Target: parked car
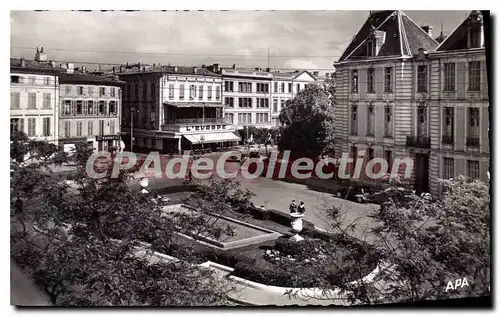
column 355, row 193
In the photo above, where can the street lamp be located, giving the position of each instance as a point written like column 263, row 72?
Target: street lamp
column 202, row 140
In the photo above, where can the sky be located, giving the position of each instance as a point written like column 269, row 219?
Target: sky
column 281, row 39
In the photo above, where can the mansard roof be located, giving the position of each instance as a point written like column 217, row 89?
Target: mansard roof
column 403, row 37
column 457, row 40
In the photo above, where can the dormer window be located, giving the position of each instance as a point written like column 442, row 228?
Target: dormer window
column 370, row 48
column 474, row 31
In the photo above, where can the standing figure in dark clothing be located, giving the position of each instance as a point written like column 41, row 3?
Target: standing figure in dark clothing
column 302, row 208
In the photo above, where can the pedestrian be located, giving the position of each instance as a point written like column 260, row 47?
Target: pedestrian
column 301, row 208
column 18, row 205
column 293, row 207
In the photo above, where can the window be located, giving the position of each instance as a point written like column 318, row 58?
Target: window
column 101, row 127
column 46, row 100
column 473, row 169
column 245, row 102
column 79, row 107
column 79, row 126
column 448, row 168
column 354, row 155
column 229, row 102
column 298, row 88
column 275, row 105
column 153, row 90
column 112, row 92
column 32, row 126
column 90, row 107
column 67, row 90
column 15, row 100
column 262, row 118
column 102, row 108
column 370, row 122
column 354, row 120
column 370, row 80
column 354, row 81
column 275, row 87
column 282, row 87
column 422, row 120
column 262, row 103
column 289, row 88
column 112, row 107
column 46, row 126
column 474, row 76
column 262, row 87
column 370, row 49
column 181, row 92
column 79, row 90
column 31, row 100
column 473, row 127
column 448, row 125
column 192, row 91
column 388, row 159
column 112, row 127
column 244, row 118
column 209, row 92
column 244, row 87
column 388, row 121
column 91, row 91
column 67, row 107
column 200, row 94
column 16, row 79
column 67, row 129
column 229, row 86
column 90, row 128
column 217, row 92
column 46, row 81
column 449, row 77
column 32, row 80
column 16, row 125
column 370, row 154
column 229, row 118
column 102, row 91
column 388, row 79
column 422, row 78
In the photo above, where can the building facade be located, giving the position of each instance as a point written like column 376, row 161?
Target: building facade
column 34, row 95
column 247, row 97
column 171, row 109
column 285, row 85
column 393, row 102
column 458, row 111
column 90, row 110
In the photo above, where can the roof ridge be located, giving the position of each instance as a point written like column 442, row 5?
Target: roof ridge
column 411, row 20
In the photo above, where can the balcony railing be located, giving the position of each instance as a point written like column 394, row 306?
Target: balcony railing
column 472, row 141
column 418, row 141
column 196, row 121
column 448, row 139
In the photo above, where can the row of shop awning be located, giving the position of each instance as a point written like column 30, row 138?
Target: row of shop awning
column 208, row 138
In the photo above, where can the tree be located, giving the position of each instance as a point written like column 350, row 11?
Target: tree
column 309, row 123
column 89, row 253
column 424, row 244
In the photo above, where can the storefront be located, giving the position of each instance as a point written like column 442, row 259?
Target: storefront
column 107, row 142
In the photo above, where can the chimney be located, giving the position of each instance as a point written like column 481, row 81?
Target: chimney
column 52, row 63
column 234, row 66
column 23, row 62
column 176, row 68
column 316, row 73
column 70, row 68
column 257, row 69
column 121, row 68
column 40, row 55
column 113, row 69
column 195, row 70
column 428, row 29
column 216, row 67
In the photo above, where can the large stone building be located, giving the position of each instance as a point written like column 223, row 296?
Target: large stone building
column 170, row 108
column 34, row 96
column 397, row 94
column 90, row 110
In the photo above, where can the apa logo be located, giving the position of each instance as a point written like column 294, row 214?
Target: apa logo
column 458, row 282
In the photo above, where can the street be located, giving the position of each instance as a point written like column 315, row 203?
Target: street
column 275, row 194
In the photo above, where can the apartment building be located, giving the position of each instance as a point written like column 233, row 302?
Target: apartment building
column 402, row 94
column 285, row 85
column 34, row 95
column 376, row 98
column 173, row 108
column 247, row 97
column 457, row 114
column 90, row 110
